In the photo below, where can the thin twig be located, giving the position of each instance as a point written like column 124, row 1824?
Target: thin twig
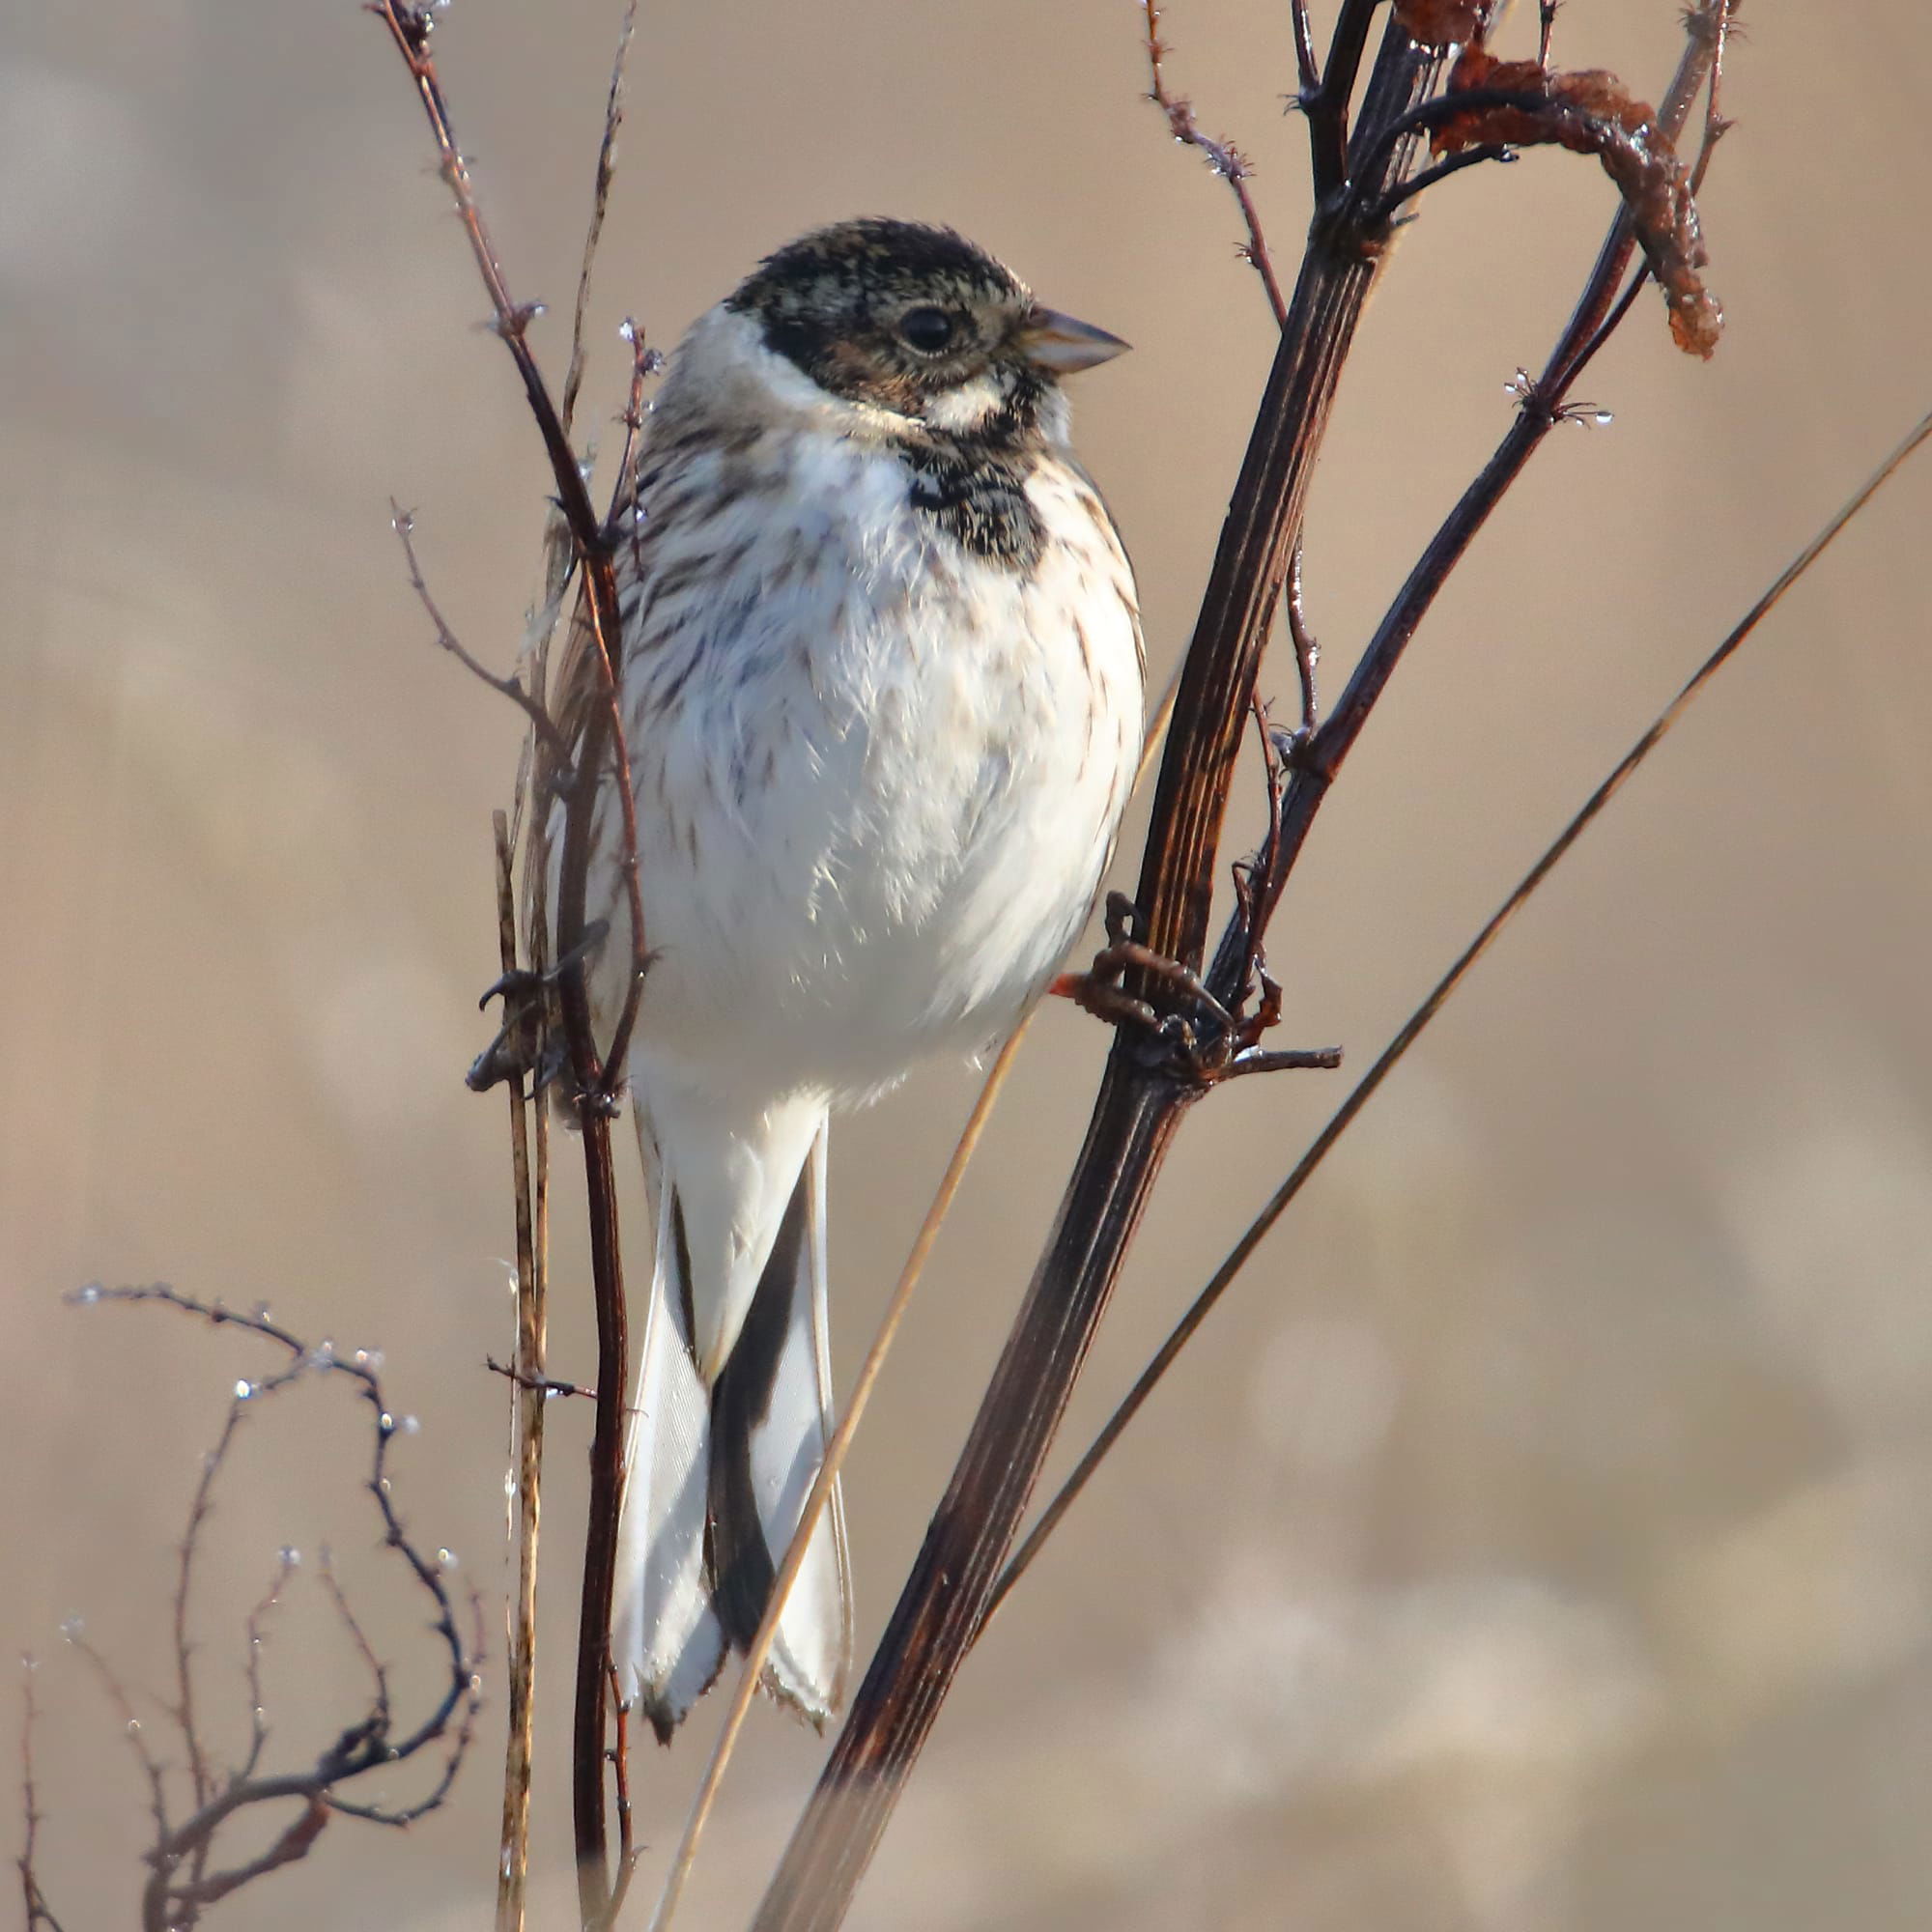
column 38, row 1912
column 410, row 28
column 179, row 1886
column 630, row 1854
column 256, row 1635
column 201, row 1780
column 115, row 1693
column 599, row 200
column 1225, row 159
column 547, row 1385
column 1413, row 1028
column 1427, row 178
column 404, row 523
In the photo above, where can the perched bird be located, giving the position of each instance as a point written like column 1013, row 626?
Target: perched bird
column 882, row 684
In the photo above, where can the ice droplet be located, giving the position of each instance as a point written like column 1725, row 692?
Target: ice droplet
column 73, row 1629
column 262, row 1312
column 386, row 1423
column 290, row 1555
column 87, row 1296
column 446, row 1559
column 410, row 1426
column 244, row 1390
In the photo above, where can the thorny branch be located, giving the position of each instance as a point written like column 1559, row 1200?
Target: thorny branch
column 179, row 1885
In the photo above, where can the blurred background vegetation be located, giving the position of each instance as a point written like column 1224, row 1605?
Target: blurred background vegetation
column 1541, row 1535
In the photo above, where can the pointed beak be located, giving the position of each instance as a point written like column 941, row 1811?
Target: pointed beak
column 1059, row 343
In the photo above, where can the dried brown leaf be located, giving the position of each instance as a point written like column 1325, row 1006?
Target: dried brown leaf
column 1442, row 23
column 1591, row 112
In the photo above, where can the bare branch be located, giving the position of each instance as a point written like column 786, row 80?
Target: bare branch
column 1225, row 159
column 599, row 200
column 39, row 1915
column 404, row 523
column 179, row 1885
column 257, row 1636
column 1438, row 995
column 546, row 1386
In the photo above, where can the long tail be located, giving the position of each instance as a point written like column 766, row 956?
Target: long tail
column 734, row 1410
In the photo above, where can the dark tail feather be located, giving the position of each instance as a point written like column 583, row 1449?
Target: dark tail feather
column 742, row 1565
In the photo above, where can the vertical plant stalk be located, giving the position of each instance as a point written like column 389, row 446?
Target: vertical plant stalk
column 601, row 754
column 1140, row 1104
column 528, row 1402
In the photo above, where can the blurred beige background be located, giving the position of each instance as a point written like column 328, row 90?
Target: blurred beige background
column 1541, row 1535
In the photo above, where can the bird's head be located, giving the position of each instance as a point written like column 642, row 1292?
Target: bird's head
column 917, row 322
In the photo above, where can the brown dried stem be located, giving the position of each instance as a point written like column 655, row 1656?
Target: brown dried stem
column 404, row 523
column 1143, row 1095
column 1601, row 305
column 526, row 1438
column 598, row 745
column 38, row 1912
column 600, row 201
column 1225, row 159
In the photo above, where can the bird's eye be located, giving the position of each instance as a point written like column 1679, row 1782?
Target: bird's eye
column 927, row 330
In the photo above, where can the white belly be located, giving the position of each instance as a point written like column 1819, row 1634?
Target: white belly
column 877, row 778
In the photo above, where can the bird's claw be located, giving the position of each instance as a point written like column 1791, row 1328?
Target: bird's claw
column 514, row 1052
column 520, row 982
column 1183, row 1026
column 1181, row 1021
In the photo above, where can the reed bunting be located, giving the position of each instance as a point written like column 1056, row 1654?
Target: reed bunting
column 882, row 683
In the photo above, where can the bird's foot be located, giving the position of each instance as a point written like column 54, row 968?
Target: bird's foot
column 1182, row 1025
column 1180, row 1020
column 514, row 1052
